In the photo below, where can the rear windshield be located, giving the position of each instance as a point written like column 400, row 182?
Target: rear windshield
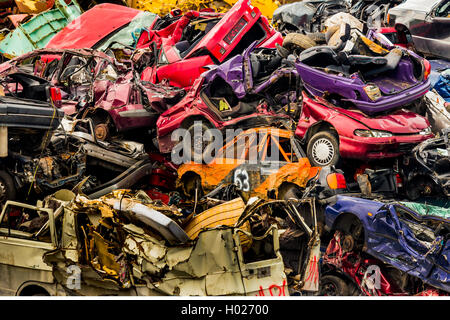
column 256, row 33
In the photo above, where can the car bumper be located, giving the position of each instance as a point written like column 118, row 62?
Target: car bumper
column 378, row 148
column 393, row 101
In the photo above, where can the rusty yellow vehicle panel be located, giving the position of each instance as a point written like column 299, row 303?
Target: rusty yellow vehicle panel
column 256, row 161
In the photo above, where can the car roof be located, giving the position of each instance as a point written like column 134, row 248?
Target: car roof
column 418, row 5
column 86, row 30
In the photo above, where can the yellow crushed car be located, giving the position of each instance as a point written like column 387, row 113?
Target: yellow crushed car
column 258, row 161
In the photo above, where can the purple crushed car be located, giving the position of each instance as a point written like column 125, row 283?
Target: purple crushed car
column 364, row 74
column 259, row 73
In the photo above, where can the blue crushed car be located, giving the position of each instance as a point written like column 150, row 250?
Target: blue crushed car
column 398, row 236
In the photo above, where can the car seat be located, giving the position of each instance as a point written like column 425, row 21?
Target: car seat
column 33, row 87
column 262, row 67
column 242, row 108
column 321, row 57
column 392, row 61
column 197, row 39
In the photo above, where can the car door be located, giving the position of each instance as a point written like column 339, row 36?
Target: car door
column 246, row 174
column 279, row 160
column 262, row 275
column 21, row 254
column 439, row 37
column 401, row 242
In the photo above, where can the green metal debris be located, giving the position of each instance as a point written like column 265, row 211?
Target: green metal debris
column 37, row 32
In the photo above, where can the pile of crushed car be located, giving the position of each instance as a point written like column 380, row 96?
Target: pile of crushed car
column 336, row 181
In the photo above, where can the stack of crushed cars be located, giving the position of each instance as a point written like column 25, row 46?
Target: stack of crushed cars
column 348, row 193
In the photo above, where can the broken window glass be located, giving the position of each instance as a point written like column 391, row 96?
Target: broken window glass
column 25, row 220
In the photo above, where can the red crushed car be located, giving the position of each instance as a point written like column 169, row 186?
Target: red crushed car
column 205, row 109
column 101, row 26
column 92, row 84
column 331, row 132
column 185, row 44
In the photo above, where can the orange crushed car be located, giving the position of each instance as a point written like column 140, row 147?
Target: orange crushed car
column 260, row 162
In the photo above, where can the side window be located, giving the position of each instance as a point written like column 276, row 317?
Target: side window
column 443, row 10
column 280, row 149
column 26, row 221
column 250, row 152
column 162, row 58
column 286, row 145
column 230, row 150
column 243, row 147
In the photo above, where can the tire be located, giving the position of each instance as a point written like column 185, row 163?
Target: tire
column 317, row 37
column 199, row 126
column 298, row 41
column 323, row 149
column 289, row 191
column 7, row 187
column 333, row 286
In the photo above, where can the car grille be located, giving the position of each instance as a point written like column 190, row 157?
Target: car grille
column 406, row 147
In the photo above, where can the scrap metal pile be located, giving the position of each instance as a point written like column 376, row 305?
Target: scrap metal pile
column 198, row 148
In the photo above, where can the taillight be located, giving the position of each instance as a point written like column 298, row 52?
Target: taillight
column 427, row 66
column 398, row 180
column 55, row 95
column 336, row 181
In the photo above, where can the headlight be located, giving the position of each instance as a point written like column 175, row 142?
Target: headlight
column 373, row 92
column 372, row 133
column 426, row 131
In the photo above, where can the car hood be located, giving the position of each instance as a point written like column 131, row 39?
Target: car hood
column 399, row 122
column 416, row 5
column 88, row 29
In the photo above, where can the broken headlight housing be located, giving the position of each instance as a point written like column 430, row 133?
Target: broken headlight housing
column 425, row 131
column 372, row 91
column 372, row 133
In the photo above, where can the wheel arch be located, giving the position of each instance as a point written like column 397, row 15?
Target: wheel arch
column 31, row 288
column 319, row 126
column 186, row 123
column 344, row 219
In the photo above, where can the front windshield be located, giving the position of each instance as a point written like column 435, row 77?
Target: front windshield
column 128, row 34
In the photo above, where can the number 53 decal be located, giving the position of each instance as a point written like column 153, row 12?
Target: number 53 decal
column 242, row 180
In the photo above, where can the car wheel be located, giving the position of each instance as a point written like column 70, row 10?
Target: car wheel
column 7, row 188
column 103, row 127
column 101, row 132
column 317, row 37
column 333, row 286
column 297, row 41
column 198, row 146
column 323, row 149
